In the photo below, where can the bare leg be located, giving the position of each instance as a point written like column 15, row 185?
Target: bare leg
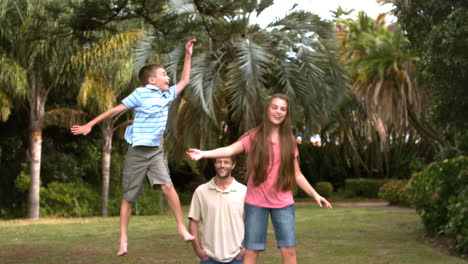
column 250, row 256
column 125, row 212
column 174, row 204
column 289, row 255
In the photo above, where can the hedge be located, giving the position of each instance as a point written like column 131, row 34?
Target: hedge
column 361, row 187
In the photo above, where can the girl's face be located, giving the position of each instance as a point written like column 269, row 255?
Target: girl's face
column 277, row 111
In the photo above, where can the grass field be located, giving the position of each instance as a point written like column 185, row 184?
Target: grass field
column 342, row 235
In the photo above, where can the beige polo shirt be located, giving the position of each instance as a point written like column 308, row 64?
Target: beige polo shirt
column 221, row 217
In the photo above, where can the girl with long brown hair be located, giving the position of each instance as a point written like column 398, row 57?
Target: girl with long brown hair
column 273, row 170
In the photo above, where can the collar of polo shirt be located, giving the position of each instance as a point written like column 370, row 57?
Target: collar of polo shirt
column 160, row 91
column 232, row 188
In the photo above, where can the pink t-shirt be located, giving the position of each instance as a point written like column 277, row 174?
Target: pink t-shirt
column 266, row 195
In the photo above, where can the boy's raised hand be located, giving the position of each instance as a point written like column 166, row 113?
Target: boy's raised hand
column 189, row 47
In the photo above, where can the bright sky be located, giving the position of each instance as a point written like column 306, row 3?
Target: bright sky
column 320, row 7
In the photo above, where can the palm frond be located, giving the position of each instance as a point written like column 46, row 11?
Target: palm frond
column 144, row 51
column 107, row 50
column 122, row 75
column 181, row 7
column 173, row 61
column 307, row 25
column 245, row 79
column 205, row 80
column 5, row 106
column 13, row 77
column 96, row 93
column 64, row 117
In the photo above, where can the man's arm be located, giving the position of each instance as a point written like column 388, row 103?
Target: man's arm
column 193, row 229
column 185, row 76
column 85, row 129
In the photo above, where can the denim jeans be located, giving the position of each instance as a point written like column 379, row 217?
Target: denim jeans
column 256, row 225
column 212, row 261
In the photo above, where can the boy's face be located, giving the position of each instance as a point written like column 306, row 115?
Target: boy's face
column 161, row 80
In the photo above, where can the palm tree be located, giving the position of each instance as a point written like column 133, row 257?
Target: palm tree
column 238, row 65
column 382, row 75
column 12, row 78
column 35, row 50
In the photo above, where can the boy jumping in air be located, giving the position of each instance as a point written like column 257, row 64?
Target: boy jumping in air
column 145, row 155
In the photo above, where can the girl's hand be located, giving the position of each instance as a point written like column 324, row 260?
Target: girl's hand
column 194, row 154
column 322, row 202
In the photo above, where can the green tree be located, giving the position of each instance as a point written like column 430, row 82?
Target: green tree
column 438, row 33
column 35, row 50
column 382, row 73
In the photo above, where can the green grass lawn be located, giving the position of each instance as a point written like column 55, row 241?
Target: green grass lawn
column 342, row 235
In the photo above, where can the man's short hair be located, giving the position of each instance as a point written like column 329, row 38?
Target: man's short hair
column 148, row 71
column 233, row 159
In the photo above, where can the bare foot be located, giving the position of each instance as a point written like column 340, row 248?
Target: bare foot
column 185, row 234
column 122, row 249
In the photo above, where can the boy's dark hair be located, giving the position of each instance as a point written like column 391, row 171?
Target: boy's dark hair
column 148, row 71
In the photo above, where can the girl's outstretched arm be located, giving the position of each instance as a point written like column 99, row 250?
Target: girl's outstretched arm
column 302, row 182
column 231, row 150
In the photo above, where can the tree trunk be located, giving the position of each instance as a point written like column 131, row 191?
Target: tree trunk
column 36, row 123
column 35, row 172
column 106, row 130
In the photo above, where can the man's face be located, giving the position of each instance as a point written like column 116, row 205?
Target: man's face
column 160, row 80
column 224, row 167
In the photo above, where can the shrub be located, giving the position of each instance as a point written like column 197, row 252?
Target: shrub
column 324, row 188
column 395, row 192
column 185, row 198
column 363, row 187
column 299, row 193
column 439, row 196
column 149, row 202
column 23, row 180
column 115, row 201
column 69, row 199
column 457, row 226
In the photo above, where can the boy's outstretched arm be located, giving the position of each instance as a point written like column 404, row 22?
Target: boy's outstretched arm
column 185, row 76
column 85, row 129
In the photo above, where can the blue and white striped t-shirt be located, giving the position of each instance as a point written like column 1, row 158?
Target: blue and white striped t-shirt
column 151, row 106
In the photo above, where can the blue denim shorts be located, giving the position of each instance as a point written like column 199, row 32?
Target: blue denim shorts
column 256, row 225
column 212, row 261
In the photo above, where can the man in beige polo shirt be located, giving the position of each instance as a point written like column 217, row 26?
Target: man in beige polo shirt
column 219, row 206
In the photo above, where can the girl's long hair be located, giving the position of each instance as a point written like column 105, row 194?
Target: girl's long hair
column 261, row 153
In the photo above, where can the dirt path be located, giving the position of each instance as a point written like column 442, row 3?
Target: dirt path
column 371, row 203
column 375, row 205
